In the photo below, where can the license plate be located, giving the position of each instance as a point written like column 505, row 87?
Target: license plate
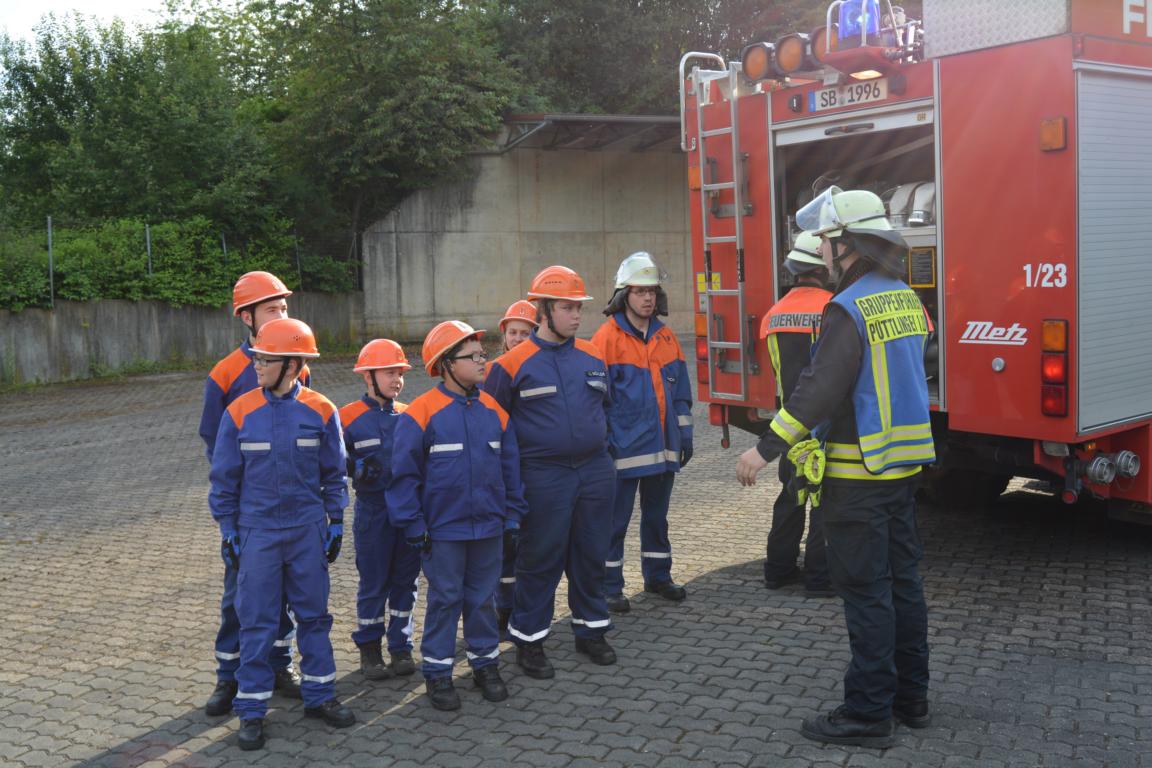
column 847, row 95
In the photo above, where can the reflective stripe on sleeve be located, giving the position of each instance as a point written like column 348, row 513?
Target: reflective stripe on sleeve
column 307, row 442
column 227, row 656
column 647, row 460
column 366, row 443
column 494, row 444
column 787, row 428
column 613, row 563
column 684, row 419
column 442, row 447
column 507, row 579
column 255, row 446
column 537, row 391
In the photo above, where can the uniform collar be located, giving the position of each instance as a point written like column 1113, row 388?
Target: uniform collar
column 625, row 324
column 459, row 398
column 246, row 348
column 292, row 393
column 855, row 272
column 549, row 344
column 374, row 404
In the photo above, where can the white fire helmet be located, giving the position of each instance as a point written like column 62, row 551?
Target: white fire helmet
column 638, row 269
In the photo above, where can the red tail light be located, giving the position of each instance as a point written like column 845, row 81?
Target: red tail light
column 716, row 415
column 1054, row 400
column 1054, row 368
column 702, row 349
column 702, row 373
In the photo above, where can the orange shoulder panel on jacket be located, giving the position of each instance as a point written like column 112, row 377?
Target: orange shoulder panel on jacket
column 229, row 369
column 250, row 401
column 349, row 413
column 423, row 408
column 399, row 407
column 317, row 402
column 511, row 360
column 590, row 348
column 490, row 401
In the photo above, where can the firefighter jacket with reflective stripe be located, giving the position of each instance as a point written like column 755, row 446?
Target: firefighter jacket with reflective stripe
column 866, row 380
column 650, row 417
column 557, row 396
column 790, row 329
column 368, row 431
column 279, row 462
column 455, row 468
column 230, row 378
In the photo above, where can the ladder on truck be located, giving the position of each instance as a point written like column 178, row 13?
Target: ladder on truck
column 702, row 80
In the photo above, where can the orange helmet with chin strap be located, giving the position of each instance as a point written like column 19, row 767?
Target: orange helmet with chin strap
column 286, row 337
column 255, row 287
column 523, row 310
column 381, row 353
column 441, row 339
column 558, row 283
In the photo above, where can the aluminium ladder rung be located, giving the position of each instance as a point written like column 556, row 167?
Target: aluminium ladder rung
column 718, row 186
column 722, row 292
column 716, row 132
column 726, row 345
column 720, row 239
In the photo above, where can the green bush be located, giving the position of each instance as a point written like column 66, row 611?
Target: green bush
column 189, row 267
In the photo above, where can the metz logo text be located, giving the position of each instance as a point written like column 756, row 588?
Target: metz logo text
column 984, row 332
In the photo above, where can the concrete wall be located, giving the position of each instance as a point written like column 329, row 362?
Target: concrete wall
column 468, row 249
column 77, row 339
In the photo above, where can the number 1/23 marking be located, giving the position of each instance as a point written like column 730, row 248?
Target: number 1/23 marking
column 1045, row 275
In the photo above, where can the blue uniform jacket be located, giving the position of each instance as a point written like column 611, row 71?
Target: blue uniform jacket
column 455, row 468
column 557, row 396
column 368, row 433
column 230, row 378
column 278, row 461
column 651, row 412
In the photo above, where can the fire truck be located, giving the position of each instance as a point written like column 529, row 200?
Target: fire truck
column 1011, row 141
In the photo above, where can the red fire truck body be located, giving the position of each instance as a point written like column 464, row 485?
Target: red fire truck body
column 1018, row 166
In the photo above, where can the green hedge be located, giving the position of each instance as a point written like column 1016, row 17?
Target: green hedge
column 189, row 267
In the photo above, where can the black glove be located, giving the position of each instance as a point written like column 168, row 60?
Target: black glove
column 230, row 548
column 333, row 539
column 685, row 453
column 420, row 543
column 365, row 470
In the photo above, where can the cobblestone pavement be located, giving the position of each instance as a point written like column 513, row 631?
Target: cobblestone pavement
column 110, row 576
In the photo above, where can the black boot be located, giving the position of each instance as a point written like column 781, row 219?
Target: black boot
column 402, row 664
column 332, row 712
column 913, row 714
column 288, row 683
column 488, row 680
column 220, row 702
column 597, row 649
column 669, row 590
column 442, row 693
column 532, row 660
column 618, row 604
column 839, row 727
column 251, row 735
column 372, row 661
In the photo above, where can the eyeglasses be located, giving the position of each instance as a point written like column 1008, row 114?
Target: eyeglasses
column 476, row 357
column 261, row 362
column 643, row 291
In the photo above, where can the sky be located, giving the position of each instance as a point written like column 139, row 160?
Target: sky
column 18, row 17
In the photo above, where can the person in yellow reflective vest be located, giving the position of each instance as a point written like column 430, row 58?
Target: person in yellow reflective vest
column 866, row 396
column 789, row 329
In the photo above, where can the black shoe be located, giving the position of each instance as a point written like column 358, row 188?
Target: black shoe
column 779, row 582
column 288, row 683
column 597, row 649
column 618, row 604
column 819, row 590
column 913, row 714
column 532, row 660
column 220, row 702
column 488, row 680
column 669, row 590
column 838, row 727
column 332, row 712
column 443, row 694
column 402, row 663
column 251, row 735
column 372, row 662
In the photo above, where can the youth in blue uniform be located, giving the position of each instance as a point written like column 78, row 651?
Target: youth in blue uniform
column 278, row 494
column 515, row 328
column 650, row 423
column 867, row 392
column 387, row 566
column 555, row 388
column 455, row 490
column 257, row 298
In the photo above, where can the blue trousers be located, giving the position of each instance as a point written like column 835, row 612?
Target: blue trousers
column 505, row 591
column 389, row 569
column 275, row 564
column 461, row 577
column 787, row 529
column 566, row 532
column 655, row 549
column 228, row 636
column 873, row 555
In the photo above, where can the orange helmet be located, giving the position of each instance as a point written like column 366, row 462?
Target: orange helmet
column 286, row 337
column 558, row 283
column 441, row 339
column 255, row 287
column 521, row 310
column 381, row 353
